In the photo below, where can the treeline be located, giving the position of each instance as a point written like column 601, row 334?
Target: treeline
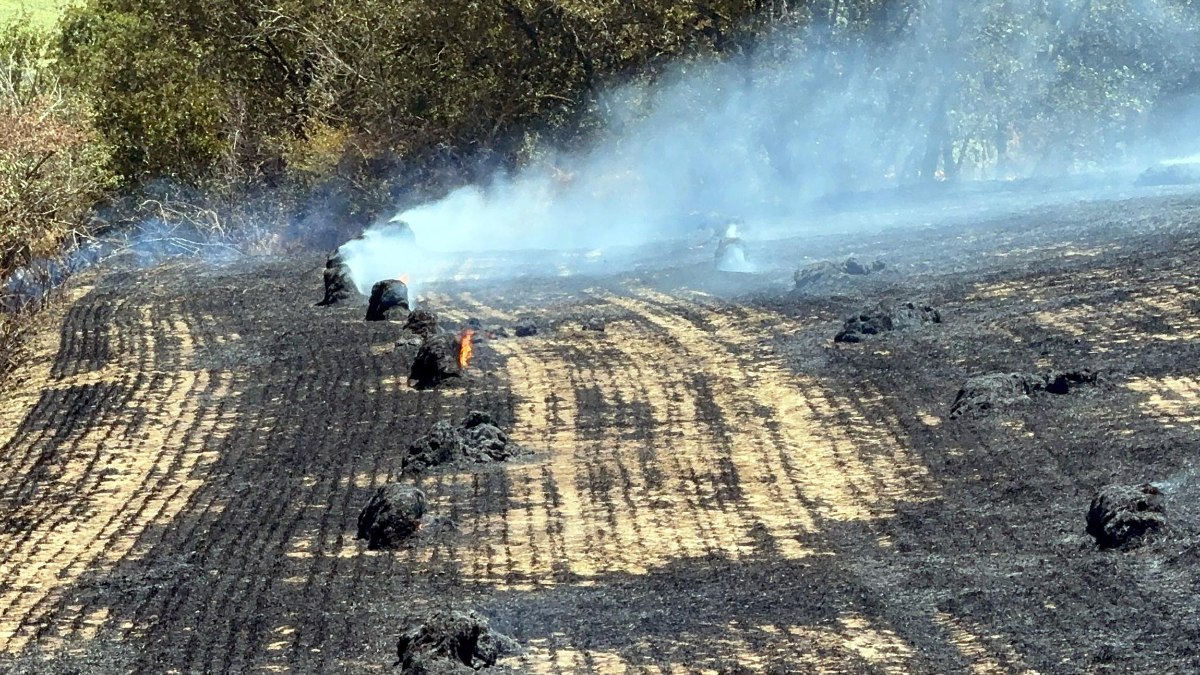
column 362, row 101
column 216, row 114
column 326, row 113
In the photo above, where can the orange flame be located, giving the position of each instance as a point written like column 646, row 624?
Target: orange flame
column 403, row 278
column 465, row 349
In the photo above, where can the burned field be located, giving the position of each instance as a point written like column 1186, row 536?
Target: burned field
column 707, row 481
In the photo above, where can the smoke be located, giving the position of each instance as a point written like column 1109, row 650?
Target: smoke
column 775, row 135
column 731, row 253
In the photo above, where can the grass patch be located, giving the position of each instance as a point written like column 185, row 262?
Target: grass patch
column 40, row 12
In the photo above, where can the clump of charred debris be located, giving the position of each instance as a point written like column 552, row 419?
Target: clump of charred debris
column 339, row 286
column 394, row 513
column 886, row 319
column 450, row 643
column 389, row 301
column 825, row 274
column 476, row 440
column 993, row 391
column 1123, row 516
column 439, row 358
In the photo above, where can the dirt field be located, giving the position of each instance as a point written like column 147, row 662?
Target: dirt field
column 715, row 484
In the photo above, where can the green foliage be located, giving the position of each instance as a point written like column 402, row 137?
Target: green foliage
column 39, row 13
column 154, row 102
column 358, row 94
column 257, row 91
column 52, row 162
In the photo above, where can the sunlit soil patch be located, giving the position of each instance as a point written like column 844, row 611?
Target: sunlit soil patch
column 851, row 463
column 85, row 489
column 1166, row 314
column 1064, row 251
column 1040, row 291
column 1007, row 289
column 852, row 645
column 660, row 440
column 1174, row 401
column 988, row 655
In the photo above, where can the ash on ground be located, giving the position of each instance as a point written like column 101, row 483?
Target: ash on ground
column 388, row 302
column 393, row 514
column 905, row 316
column 450, row 642
column 595, row 324
column 825, row 274
column 476, row 440
column 994, row 391
column 339, row 287
column 1121, row 516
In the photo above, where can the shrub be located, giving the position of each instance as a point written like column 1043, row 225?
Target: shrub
column 52, row 161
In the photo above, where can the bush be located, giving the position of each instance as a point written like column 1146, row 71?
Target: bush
column 52, row 170
column 52, row 161
column 159, row 110
column 300, row 95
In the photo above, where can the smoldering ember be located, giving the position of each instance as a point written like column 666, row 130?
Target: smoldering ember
column 547, row 337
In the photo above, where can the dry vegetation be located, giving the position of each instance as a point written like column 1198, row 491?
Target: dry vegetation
column 53, row 167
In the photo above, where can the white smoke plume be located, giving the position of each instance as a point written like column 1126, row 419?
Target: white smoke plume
column 972, row 91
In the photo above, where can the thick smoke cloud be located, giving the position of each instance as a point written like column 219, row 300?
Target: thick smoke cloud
column 969, row 91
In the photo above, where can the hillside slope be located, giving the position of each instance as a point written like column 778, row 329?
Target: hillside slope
column 714, row 485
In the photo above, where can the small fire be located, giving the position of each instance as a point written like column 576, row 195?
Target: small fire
column 403, row 278
column 465, row 348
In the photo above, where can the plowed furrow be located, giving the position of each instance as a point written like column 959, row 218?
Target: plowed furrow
column 839, row 455
column 245, row 536
column 94, row 489
column 162, row 498
column 120, row 513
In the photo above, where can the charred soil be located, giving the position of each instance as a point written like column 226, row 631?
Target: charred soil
column 714, row 484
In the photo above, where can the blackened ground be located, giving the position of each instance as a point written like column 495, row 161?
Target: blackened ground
column 714, row 483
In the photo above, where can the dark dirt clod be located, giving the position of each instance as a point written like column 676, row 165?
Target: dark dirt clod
column 389, row 301
column 436, row 360
column 526, row 327
column 982, row 393
column 422, row 322
column 450, row 642
column 338, row 285
column 392, row 515
column 476, row 440
column 886, row 319
column 484, row 331
column 807, row 276
column 1121, row 515
column 1061, row 382
column 594, row 323
column 826, row 272
column 994, row 390
column 855, row 268
column 442, row 445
